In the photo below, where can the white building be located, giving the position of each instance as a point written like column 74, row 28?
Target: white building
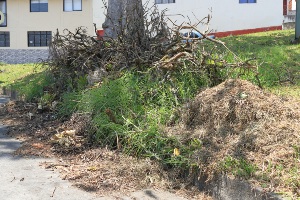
column 228, row 16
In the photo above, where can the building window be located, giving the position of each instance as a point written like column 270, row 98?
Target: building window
column 247, row 1
column 3, row 16
column 39, row 38
column 38, row 5
column 72, row 5
column 4, row 39
column 164, row 1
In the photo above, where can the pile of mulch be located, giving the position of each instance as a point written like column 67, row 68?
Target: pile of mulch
column 87, row 166
column 240, row 120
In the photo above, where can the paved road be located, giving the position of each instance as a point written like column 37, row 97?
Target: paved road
column 23, row 179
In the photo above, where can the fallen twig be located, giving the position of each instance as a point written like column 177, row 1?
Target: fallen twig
column 53, row 192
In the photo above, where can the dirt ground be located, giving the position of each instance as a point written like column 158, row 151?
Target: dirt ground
column 93, row 169
column 235, row 118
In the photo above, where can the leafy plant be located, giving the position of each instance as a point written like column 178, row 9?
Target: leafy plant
column 297, row 151
column 82, row 82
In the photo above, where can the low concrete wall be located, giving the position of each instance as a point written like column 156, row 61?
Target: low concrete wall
column 225, row 188
column 20, row 56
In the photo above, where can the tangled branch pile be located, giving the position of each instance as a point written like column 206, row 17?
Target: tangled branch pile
column 161, row 48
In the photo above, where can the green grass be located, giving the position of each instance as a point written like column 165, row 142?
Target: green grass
column 27, row 79
column 277, row 58
column 11, row 73
column 238, row 167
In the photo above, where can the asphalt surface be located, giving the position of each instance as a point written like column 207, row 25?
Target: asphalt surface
column 23, row 179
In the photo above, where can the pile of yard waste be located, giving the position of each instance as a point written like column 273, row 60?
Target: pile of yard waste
column 244, row 131
column 91, row 168
column 242, row 126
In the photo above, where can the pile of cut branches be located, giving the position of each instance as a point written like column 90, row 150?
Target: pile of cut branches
column 74, row 55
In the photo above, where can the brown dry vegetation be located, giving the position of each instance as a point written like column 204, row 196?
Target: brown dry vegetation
column 93, row 169
column 240, row 120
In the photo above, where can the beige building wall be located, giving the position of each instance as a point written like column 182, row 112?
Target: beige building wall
column 98, row 13
column 20, row 20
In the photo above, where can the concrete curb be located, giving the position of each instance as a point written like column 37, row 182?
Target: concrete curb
column 226, row 188
column 4, row 99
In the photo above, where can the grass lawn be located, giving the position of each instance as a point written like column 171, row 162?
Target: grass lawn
column 278, row 60
column 11, row 73
column 292, row 91
column 27, row 79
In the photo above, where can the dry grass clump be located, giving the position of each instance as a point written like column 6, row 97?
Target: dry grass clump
column 240, row 120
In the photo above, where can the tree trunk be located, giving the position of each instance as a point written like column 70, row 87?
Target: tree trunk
column 125, row 18
column 135, row 29
column 113, row 22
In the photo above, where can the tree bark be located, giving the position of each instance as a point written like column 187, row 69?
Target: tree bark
column 113, row 22
column 125, row 18
column 135, row 29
